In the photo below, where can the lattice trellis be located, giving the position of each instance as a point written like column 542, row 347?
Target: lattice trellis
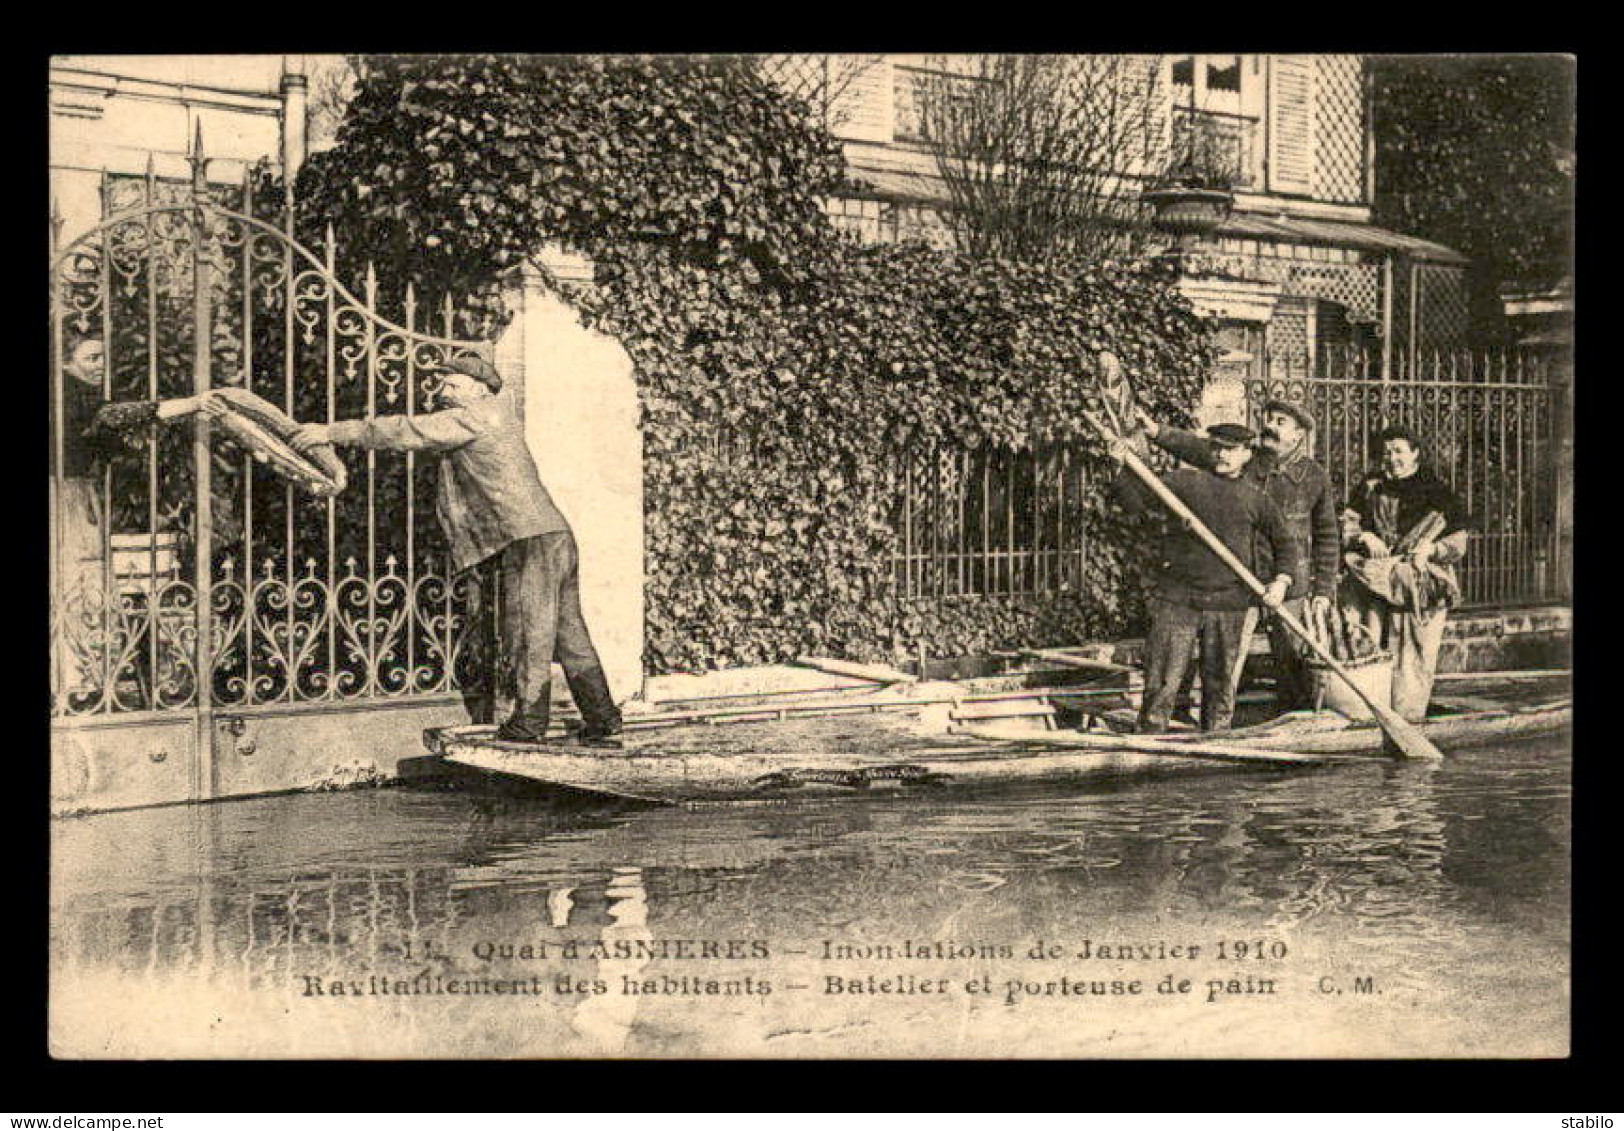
column 1339, row 129
column 1441, row 306
column 1288, row 329
column 1356, row 286
column 1400, row 328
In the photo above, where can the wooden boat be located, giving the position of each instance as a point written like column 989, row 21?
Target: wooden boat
column 921, row 737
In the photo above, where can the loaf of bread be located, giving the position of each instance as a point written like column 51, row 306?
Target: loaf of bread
column 262, row 429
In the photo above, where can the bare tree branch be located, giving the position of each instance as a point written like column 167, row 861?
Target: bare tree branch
column 820, row 81
column 1043, row 156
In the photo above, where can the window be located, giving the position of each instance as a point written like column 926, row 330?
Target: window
column 1210, row 82
column 1215, row 103
column 990, row 522
column 1224, row 74
column 916, row 86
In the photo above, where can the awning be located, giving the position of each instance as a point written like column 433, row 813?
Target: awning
column 897, row 186
column 924, row 188
column 1334, row 233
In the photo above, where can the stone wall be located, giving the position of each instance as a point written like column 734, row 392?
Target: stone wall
column 1508, row 639
column 580, row 405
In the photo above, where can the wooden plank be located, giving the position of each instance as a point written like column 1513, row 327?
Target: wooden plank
column 1001, row 709
column 875, row 673
column 1145, row 744
column 1066, row 659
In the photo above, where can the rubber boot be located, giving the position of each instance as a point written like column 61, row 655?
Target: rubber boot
column 600, row 718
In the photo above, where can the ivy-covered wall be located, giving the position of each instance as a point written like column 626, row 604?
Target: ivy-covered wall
column 781, row 366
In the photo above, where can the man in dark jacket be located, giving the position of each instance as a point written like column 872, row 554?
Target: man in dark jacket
column 499, row 518
column 1195, row 595
column 1300, row 487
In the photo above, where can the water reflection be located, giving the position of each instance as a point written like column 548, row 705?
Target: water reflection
column 1419, row 872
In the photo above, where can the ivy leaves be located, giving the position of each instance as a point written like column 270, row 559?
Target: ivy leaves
column 783, row 369
column 775, row 429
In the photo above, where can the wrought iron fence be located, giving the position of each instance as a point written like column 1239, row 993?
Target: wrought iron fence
column 989, row 522
column 186, row 576
column 1001, row 523
column 1487, row 421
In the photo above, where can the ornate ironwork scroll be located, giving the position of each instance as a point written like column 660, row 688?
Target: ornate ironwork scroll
column 308, row 600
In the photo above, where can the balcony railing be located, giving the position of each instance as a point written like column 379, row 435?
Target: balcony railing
column 1222, row 143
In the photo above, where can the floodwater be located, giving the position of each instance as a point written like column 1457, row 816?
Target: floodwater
column 1368, row 910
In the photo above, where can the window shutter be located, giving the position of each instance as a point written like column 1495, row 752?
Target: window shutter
column 1291, row 123
column 864, row 95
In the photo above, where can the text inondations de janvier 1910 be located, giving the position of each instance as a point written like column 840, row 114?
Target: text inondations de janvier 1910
column 1211, row 970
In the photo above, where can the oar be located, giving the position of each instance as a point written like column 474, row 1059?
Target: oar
column 1248, row 626
column 1401, row 735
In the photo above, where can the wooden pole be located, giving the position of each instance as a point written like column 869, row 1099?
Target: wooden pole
column 1405, row 739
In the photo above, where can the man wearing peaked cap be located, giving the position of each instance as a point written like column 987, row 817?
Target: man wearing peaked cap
column 1283, row 470
column 501, row 523
column 1195, row 597
column 1231, row 436
column 472, row 365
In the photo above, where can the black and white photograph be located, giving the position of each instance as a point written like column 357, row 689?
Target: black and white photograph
column 800, row 556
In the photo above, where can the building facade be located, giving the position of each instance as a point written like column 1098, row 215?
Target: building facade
column 1296, row 272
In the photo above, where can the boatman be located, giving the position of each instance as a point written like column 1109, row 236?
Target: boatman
column 501, row 522
column 1300, row 487
column 1195, row 596
column 1409, row 531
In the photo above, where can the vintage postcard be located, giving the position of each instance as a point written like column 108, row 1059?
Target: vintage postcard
column 811, row 556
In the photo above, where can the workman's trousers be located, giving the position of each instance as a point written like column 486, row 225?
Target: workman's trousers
column 526, row 605
column 1414, row 639
column 1174, row 631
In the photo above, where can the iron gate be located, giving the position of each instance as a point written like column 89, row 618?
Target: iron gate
column 1488, row 422
column 188, row 582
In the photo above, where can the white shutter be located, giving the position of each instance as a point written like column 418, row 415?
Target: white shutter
column 1291, row 123
column 864, row 94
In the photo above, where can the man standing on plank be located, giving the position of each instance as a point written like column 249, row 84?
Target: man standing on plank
column 500, row 520
column 1412, row 530
column 1197, row 596
column 1300, row 487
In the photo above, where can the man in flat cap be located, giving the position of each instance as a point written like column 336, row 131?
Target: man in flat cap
column 1195, row 596
column 500, row 520
column 1300, row 487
